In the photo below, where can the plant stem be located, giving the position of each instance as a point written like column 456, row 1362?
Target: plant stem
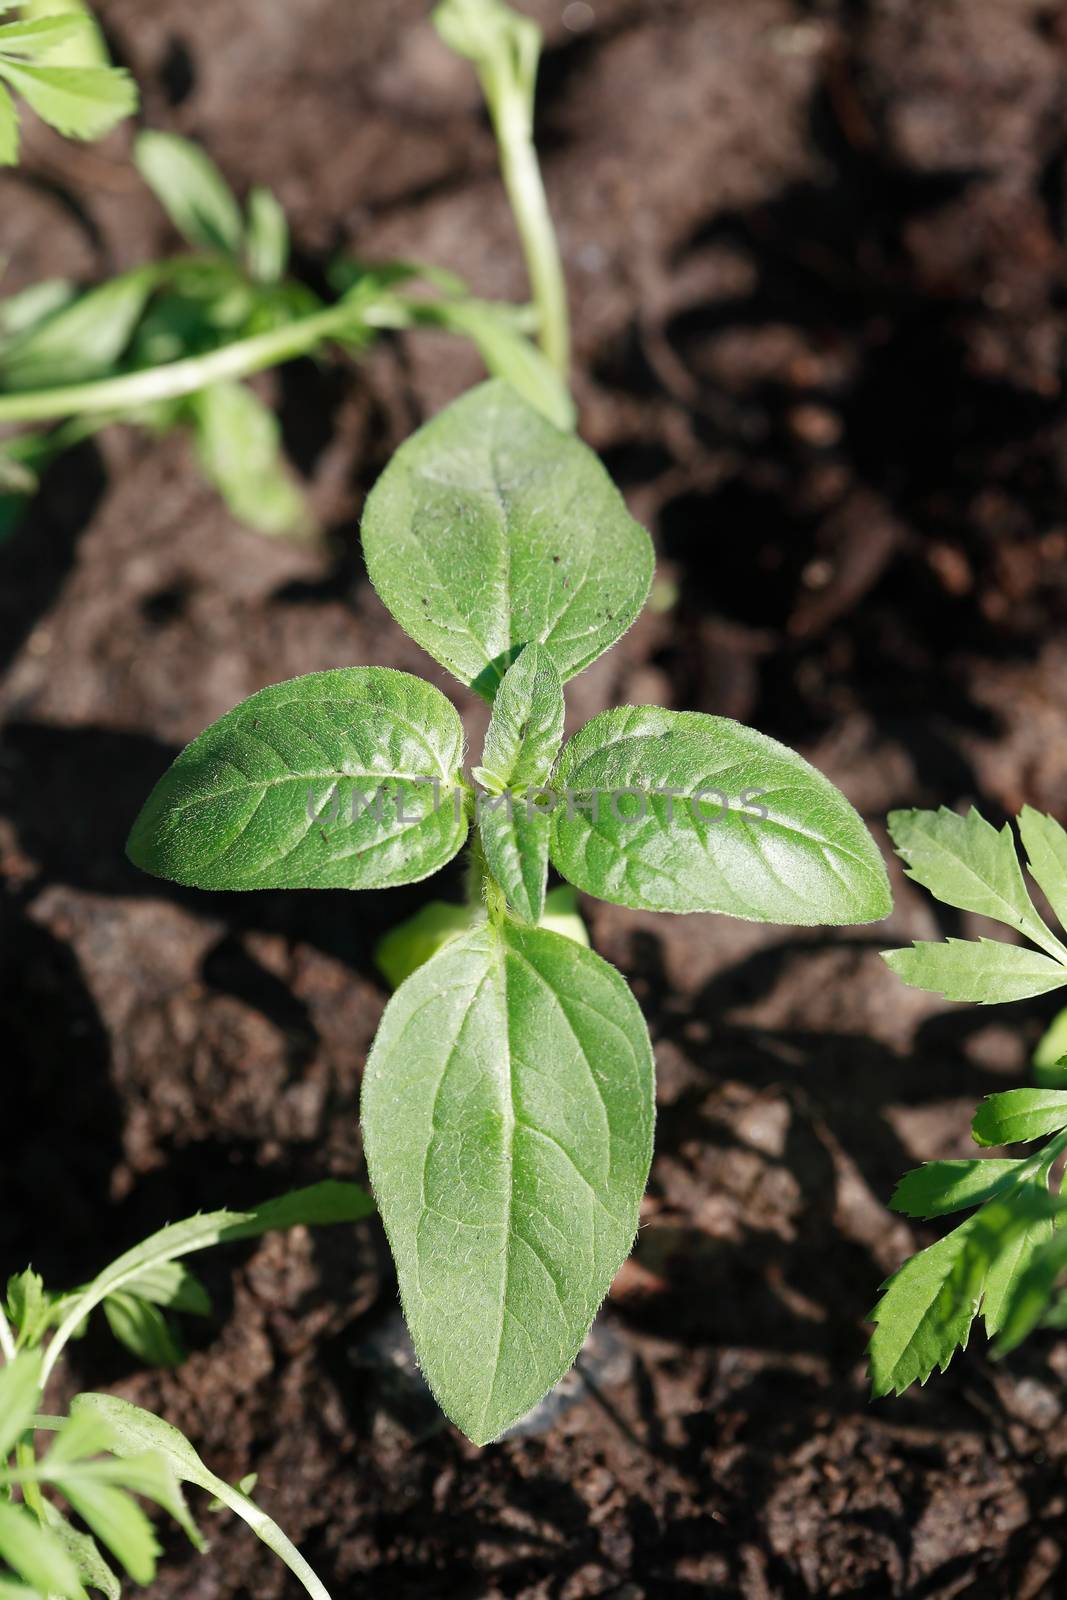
column 176, row 378
column 513, row 124
column 7, row 1338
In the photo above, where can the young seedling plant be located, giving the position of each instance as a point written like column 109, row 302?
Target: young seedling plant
column 1003, row 1262
column 105, row 1451
column 508, row 1100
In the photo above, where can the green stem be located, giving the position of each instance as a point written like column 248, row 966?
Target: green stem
column 175, row 378
column 513, row 124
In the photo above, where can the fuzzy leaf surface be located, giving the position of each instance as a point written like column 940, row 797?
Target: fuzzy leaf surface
column 507, row 1115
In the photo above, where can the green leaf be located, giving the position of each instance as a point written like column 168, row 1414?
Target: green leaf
column 490, row 530
column 84, row 1551
column 192, row 191
column 136, row 1431
column 118, row 1522
column 143, row 1329
column 966, row 863
column 1029, row 1298
column 29, row 1308
column 1045, row 843
column 36, row 1555
column 507, row 1116
column 20, row 1385
column 983, row 970
column 172, row 1285
column 39, row 36
column 317, row 1206
column 82, row 340
column 410, row 944
column 9, row 130
column 1049, row 1060
column 83, row 48
column 939, row 1187
column 345, row 779
column 22, row 311
column 81, row 102
column 1018, row 1115
column 526, row 727
column 238, row 443
column 677, row 811
column 515, row 839
column 267, row 240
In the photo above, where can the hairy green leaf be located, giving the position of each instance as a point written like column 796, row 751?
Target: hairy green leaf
column 982, row 970
column 81, row 102
column 1018, row 1115
column 1045, row 843
column 940, row 1187
column 84, row 1551
column 29, row 1307
column 238, row 441
column 345, row 780
column 507, row 1115
column 526, row 727
column 515, row 839
column 490, row 530
column 677, row 811
column 192, row 191
column 410, row 944
column 966, row 863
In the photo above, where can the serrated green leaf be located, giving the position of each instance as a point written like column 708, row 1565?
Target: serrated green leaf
column 142, row 1328
column 525, row 730
column 84, row 1551
column 119, row 1523
column 984, row 970
column 1018, row 1115
column 9, row 130
column 940, row 1187
column 85, row 47
column 490, row 530
column 20, row 1384
column 966, row 863
column 926, row 1309
column 36, row 1555
column 38, row 36
column 1029, row 1297
column 81, row 102
column 345, row 779
column 267, row 237
column 192, row 191
column 1045, row 843
column 507, row 1115
column 239, row 447
column 677, row 811
column 28, row 1307
column 1029, row 1232
column 82, row 340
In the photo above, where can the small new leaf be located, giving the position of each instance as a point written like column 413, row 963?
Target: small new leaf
column 490, row 529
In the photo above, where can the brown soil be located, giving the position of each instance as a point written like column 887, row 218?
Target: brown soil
column 816, row 254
